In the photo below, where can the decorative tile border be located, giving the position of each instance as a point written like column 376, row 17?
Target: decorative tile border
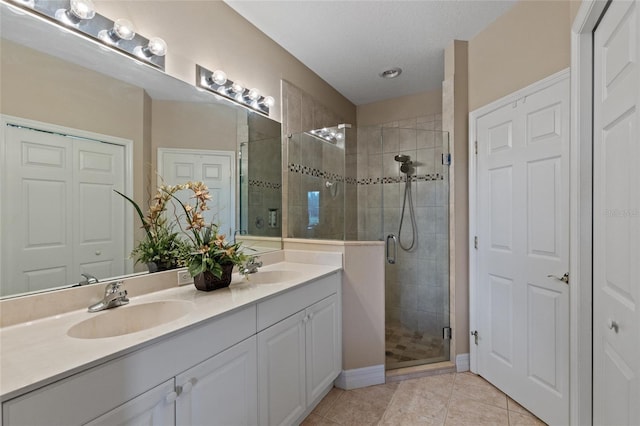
column 264, row 184
column 311, row 171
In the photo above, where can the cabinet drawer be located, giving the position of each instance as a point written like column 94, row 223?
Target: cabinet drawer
column 89, row 394
column 284, row 305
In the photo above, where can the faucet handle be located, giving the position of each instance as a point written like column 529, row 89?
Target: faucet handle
column 114, row 287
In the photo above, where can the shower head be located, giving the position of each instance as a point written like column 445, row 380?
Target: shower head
column 402, row 158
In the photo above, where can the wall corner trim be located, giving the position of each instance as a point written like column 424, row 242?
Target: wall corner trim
column 462, row 362
column 361, row 377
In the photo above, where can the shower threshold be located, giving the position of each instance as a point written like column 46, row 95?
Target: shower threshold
column 406, row 373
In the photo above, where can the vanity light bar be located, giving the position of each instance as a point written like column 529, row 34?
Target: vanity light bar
column 79, row 16
column 217, row 82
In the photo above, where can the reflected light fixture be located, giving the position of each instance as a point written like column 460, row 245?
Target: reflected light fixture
column 330, row 134
column 218, row 83
column 80, row 17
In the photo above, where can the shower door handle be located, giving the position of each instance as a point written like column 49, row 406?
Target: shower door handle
column 394, row 239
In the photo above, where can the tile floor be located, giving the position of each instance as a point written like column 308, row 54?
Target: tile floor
column 404, row 347
column 446, row 399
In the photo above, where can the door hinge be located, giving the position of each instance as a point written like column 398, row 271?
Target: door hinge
column 475, row 242
column 446, row 333
column 446, row 159
column 476, row 147
column 474, row 333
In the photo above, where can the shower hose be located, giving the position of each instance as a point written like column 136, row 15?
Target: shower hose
column 407, row 194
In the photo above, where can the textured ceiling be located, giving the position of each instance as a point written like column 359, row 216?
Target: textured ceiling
column 348, row 43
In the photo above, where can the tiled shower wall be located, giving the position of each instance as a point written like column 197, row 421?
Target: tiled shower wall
column 310, row 164
column 416, row 288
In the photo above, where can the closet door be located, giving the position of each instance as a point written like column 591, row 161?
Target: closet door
column 616, row 217
column 522, row 243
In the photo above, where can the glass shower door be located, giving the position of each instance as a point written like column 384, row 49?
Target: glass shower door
column 415, row 206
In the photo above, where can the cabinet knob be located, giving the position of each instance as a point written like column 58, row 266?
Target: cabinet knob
column 171, row 397
column 186, row 388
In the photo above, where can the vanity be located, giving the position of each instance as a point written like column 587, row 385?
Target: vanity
column 264, row 351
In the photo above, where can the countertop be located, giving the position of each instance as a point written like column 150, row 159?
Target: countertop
column 36, row 353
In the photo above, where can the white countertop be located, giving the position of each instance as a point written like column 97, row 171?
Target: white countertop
column 39, row 352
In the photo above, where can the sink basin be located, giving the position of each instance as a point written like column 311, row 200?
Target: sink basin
column 273, row 277
column 130, row 319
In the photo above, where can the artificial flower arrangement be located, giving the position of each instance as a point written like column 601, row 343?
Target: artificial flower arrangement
column 211, row 257
column 198, row 246
column 161, row 248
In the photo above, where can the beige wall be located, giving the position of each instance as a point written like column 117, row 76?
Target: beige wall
column 529, row 42
column 401, row 108
column 47, row 89
column 213, row 35
column 192, row 125
column 455, row 121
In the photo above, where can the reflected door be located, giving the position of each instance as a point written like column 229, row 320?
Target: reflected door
column 67, row 220
column 215, row 169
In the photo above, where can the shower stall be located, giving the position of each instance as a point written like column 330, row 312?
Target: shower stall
column 410, row 165
column 388, row 183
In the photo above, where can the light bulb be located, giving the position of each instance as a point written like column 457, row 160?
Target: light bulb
column 78, row 10
column 28, row 3
column 123, row 28
column 157, row 46
column 219, row 77
column 269, row 101
column 254, row 94
column 237, row 87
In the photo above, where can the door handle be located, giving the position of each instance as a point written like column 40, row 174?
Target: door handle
column 391, row 237
column 564, row 278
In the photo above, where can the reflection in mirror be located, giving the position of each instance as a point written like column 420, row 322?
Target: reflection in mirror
column 260, row 181
column 79, row 131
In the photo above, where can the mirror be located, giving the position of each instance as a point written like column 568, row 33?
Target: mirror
column 67, row 100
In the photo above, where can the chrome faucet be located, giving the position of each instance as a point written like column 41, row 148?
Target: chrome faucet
column 252, row 265
column 114, row 295
column 88, row 279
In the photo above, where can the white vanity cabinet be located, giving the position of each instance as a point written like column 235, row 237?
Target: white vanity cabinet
column 299, row 356
column 266, row 362
column 137, row 386
column 154, row 407
column 221, row 390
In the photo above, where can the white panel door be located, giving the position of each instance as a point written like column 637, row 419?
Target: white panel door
column 616, row 217
column 222, row 390
column 68, row 219
column 215, row 169
column 99, row 222
column 523, row 234
column 38, row 229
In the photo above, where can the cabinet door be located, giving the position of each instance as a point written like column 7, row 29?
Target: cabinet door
column 281, row 371
column 220, row 390
column 323, row 346
column 153, row 408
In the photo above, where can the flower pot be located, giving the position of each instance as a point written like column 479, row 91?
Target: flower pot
column 160, row 266
column 206, row 281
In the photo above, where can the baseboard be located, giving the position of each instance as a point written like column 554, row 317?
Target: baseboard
column 361, row 377
column 462, row 362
